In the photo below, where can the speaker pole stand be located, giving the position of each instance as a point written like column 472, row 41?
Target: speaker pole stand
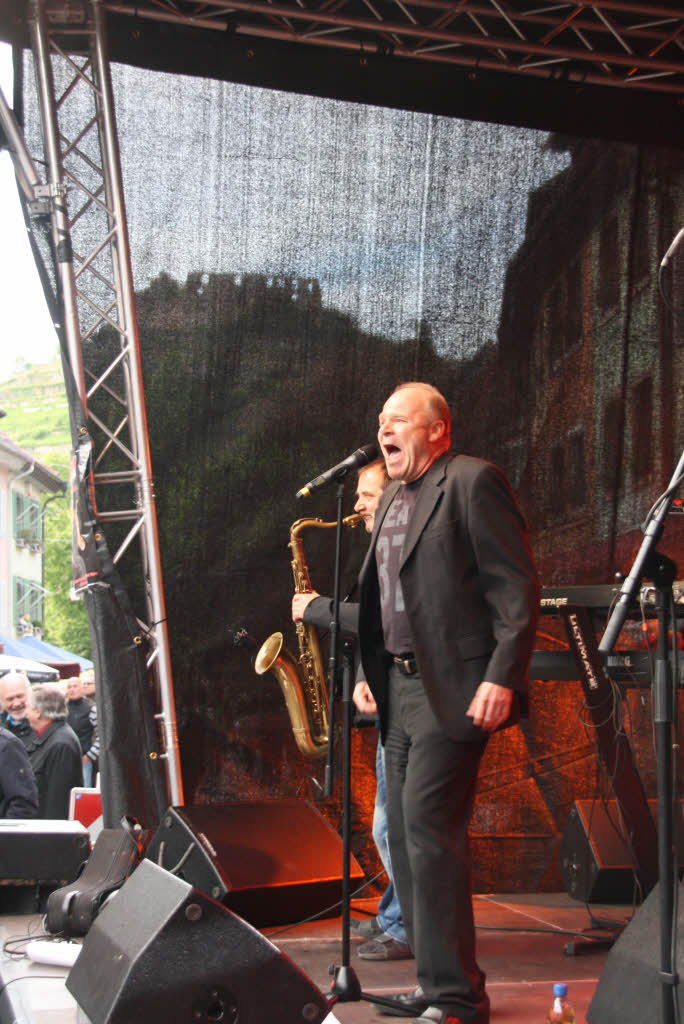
column 662, row 571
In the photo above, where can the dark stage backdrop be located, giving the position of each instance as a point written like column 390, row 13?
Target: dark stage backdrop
column 294, row 259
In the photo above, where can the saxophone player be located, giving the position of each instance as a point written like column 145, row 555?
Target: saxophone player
column 385, row 933
column 309, row 606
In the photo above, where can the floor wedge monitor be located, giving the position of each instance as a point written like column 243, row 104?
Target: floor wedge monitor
column 271, row 861
column 161, row 952
column 629, row 989
column 595, row 860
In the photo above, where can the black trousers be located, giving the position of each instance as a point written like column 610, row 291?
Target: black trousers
column 431, row 782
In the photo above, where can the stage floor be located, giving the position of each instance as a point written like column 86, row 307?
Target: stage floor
column 521, row 942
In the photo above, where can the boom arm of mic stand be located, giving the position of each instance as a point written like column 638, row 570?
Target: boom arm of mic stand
column 631, row 585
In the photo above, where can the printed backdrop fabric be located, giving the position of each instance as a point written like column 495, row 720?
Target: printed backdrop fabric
column 294, row 259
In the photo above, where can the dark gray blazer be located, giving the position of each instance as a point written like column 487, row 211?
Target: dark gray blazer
column 318, row 613
column 470, row 590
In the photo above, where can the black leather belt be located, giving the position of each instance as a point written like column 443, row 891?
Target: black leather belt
column 406, row 663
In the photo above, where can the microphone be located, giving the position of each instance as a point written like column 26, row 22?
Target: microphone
column 361, row 457
column 674, row 245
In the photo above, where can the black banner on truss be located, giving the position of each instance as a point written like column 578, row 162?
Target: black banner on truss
column 132, row 779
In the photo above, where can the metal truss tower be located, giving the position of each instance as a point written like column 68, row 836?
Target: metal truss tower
column 84, row 195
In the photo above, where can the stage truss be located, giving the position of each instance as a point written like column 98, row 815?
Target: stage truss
column 617, row 43
column 81, row 190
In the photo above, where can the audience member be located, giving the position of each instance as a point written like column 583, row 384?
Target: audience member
column 18, row 791
column 87, row 678
column 82, row 717
column 55, row 752
column 14, row 698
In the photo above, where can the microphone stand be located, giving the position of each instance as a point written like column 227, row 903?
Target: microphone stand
column 662, row 571
column 345, row 987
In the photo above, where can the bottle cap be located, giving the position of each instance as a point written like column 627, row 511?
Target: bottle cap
column 560, row 990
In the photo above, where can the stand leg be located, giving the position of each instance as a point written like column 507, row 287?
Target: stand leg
column 663, row 716
column 345, row 986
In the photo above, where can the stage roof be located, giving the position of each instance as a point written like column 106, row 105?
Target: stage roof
column 607, row 68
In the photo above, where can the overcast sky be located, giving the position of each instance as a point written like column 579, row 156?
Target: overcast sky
column 25, row 324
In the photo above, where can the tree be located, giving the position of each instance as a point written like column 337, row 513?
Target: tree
column 66, row 620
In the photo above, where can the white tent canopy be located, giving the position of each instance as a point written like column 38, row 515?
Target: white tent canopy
column 36, row 672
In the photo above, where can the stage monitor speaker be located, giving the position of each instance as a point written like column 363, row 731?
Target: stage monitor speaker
column 629, row 989
column 162, row 952
column 272, row 862
column 38, row 856
column 594, row 857
column 36, row 850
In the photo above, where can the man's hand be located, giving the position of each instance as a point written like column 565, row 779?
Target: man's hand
column 491, row 706
column 364, row 699
column 300, row 602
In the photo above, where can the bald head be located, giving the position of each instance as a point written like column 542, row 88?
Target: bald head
column 413, row 430
column 435, row 403
column 14, row 694
column 74, row 688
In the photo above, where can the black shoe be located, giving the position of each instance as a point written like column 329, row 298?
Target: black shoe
column 367, row 928
column 384, row 947
column 407, row 1004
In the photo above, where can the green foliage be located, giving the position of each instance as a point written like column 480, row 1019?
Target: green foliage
column 38, row 420
column 66, row 621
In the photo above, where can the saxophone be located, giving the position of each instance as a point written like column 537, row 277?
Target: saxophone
column 302, row 680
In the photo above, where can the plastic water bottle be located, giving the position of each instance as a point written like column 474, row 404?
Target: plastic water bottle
column 561, row 1011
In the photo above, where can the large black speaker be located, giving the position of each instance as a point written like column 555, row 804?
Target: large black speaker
column 36, row 850
column 271, row 861
column 161, row 952
column 629, row 990
column 36, row 857
column 594, row 856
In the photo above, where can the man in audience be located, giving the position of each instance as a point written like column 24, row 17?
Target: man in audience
column 87, row 678
column 82, row 717
column 14, row 698
column 18, row 792
column 55, row 752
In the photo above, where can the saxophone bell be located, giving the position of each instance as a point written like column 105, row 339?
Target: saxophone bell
column 303, row 679
column 273, row 656
column 268, row 653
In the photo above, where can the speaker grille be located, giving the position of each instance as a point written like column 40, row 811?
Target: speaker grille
column 163, row 952
column 273, row 862
column 594, row 857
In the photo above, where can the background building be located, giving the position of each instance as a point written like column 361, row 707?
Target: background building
column 26, row 485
